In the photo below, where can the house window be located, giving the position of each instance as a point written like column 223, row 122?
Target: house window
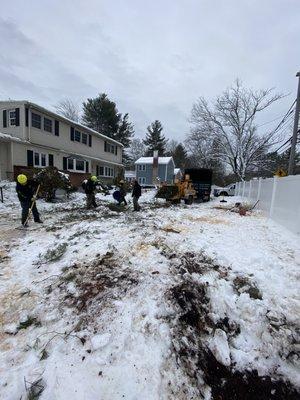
column 142, row 167
column 48, row 125
column 76, row 165
column 36, row 159
column 142, row 180
column 108, row 172
column 36, row 120
column 77, row 136
column 84, row 138
column 109, row 148
column 71, row 163
column 12, row 117
column 101, row 171
column 80, row 165
column 43, row 160
column 40, row 160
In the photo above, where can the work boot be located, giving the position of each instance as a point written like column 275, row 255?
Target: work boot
column 38, row 221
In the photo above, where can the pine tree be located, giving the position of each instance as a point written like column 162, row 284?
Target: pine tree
column 155, row 140
column 101, row 114
column 125, row 131
column 180, row 156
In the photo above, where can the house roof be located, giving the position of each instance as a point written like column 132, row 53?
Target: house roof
column 62, row 118
column 177, row 170
column 130, row 174
column 149, row 160
column 4, row 137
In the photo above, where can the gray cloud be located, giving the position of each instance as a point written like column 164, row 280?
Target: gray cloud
column 153, row 58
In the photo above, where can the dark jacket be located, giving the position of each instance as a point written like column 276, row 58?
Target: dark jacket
column 137, row 190
column 90, row 186
column 122, row 190
column 26, row 192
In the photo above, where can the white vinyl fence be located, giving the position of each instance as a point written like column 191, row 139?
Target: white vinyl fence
column 279, row 198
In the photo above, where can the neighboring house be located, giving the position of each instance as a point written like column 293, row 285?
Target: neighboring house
column 144, row 170
column 130, row 176
column 178, row 174
column 33, row 137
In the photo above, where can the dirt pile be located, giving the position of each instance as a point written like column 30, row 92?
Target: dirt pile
column 96, row 282
column 191, row 330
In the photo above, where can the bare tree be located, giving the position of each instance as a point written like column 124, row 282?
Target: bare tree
column 228, row 127
column 137, row 149
column 171, row 147
column 67, row 108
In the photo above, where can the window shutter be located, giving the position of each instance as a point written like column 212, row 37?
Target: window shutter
column 90, row 140
column 72, row 134
column 116, row 150
column 105, row 146
column 56, row 128
column 26, row 116
column 17, row 111
column 65, row 163
column 4, row 119
column 29, row 158
column 50, row 160
column 97, row 170
column 87, row 166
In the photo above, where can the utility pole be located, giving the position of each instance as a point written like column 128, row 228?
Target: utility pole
column 291, row 170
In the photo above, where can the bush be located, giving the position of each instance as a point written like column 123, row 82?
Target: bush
column 51, row 179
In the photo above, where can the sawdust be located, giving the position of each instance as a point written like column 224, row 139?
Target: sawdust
column 209, row 220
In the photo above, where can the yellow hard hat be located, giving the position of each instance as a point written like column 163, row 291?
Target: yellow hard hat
column 22, row 179
column 94, row 178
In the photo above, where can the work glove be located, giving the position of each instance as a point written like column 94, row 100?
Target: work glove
column 33, row 198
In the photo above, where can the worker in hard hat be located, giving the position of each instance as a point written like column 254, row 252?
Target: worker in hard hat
column 26, row 189
column 90, row 186
column 122, row 191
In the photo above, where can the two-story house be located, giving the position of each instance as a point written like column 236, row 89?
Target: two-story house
column 34, row 137
column 144, row 167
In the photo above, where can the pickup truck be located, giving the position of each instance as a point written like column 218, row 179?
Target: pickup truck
column 225, row 191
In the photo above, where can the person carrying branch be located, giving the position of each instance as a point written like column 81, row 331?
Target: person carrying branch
column 122, row 191
column 26, row 189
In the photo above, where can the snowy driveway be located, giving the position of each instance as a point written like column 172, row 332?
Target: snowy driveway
column 153, row 305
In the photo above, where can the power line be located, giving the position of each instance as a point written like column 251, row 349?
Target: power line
column 269, row 122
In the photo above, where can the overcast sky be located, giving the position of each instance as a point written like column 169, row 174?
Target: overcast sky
column 153, row 58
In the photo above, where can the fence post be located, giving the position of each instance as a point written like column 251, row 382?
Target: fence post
column 259, row 188
column 243, row 192
column 275, row 180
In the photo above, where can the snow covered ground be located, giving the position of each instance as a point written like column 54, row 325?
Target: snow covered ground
column 174, row 302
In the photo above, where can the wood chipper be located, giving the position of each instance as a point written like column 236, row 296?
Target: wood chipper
column 177, row 191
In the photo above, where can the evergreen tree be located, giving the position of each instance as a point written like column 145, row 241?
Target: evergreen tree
column 125, row 131
column 180, row 156
column 101, row 114
column 124, row 136
column 155, row 140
